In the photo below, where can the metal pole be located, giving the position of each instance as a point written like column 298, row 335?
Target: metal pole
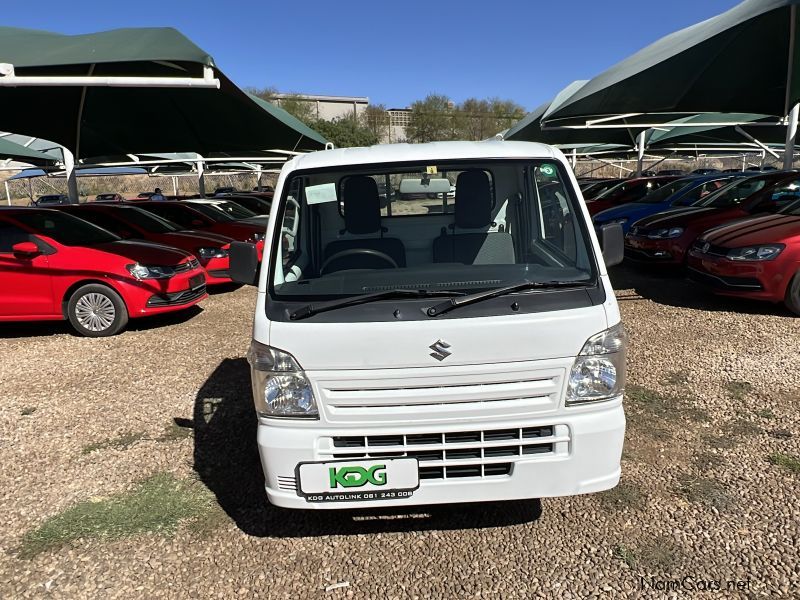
column 8, row 194
column 72, row 179
column 30, row 188
column 574, row 158
column 640, row 147
column 258, row 178
column 791, row 137
column 174, row 185
column 201, row 182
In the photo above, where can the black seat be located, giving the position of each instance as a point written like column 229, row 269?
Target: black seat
column 362, row 216
column 473, row 210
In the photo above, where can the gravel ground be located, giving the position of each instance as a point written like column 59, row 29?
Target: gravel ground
column 713, row 392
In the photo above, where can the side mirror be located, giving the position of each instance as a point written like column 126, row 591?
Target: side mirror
column 612, row 241
column 25, row 249
column 243, row 263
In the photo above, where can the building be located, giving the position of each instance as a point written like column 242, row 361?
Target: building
column 399, row 120
column 329, row 107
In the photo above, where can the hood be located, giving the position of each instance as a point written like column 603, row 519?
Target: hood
column 633, row 211
column 259, row 221
column 197, row 239
column 765, row 229
column 682, row 217
column 146, row 253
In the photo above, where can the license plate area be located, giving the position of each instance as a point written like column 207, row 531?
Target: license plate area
column 357, row 480
column 196, row 281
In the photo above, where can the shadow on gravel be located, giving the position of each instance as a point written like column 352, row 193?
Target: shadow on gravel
column 671, row 287
column 226, row 460
column 223, row 288
column 164, row 320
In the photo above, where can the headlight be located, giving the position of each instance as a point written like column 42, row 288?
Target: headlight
column 280, row 387
column 209, row 253
column 665, row 234
column 599, row 371
column 766, row 252
column 150, row 272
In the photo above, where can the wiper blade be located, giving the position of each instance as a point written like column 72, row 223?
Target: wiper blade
column 313, row 309
column 448, row 305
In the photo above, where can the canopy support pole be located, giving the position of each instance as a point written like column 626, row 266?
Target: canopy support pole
column 72, row 178
column 574, row 158
column 8, row 193
column 640, row 141
column 201, row 181
column 258, row 177
column 174, row 185
column 30, row 188
column 763, row 147
column 791, row 137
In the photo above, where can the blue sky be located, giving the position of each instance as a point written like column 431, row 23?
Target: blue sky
column 396, row 52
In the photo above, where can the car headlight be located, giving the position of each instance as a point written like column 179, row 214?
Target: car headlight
column 599, row 370
column 209, row 253
column 149, row 271
column 665, row 234
column 280, row 387
column 765, row 252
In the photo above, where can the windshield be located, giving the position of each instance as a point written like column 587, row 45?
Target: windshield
column 733, row 194
column 146, row 221
column 65, row 229
column 228, row 210
column 662, row 193
column 617, row 190
column 183, row 215
column 454, row 227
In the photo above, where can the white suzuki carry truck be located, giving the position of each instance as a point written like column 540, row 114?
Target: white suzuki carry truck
column 434, row 324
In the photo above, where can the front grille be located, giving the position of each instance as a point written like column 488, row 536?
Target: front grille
column 287, row 483
column 189, row 265
column 447, row 455
column 721, row 282
column 699, row 245
column 177, row 297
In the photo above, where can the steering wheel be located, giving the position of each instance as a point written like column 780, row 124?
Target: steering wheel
column 354, row 251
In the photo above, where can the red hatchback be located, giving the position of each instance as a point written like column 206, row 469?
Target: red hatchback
column 130, row 222
column 54, row 266
column 629, row 190
column 754, row 258
column 665, row 238
column 187, row 216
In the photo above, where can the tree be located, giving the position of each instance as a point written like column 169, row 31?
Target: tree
column 345, row 132
column 294, row 104
column 431, row 119
column 376, row 119
column 472, row 120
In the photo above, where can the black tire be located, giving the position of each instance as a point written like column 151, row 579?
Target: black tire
column 792, row 299
column 96, row 310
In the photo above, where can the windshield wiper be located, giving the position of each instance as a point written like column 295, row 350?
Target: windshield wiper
column 448, row 305
column 313, row 309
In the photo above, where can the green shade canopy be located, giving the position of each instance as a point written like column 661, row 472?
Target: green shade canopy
column 718, row 134
column 746, row 59
column 18, row 152
column 108, row 121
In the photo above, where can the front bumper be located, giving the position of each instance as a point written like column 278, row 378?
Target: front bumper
column 758, row 280
column 156, row 296
column 645, row 250
column 584, row 457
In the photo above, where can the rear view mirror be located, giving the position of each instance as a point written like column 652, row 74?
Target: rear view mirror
column 243, row 263
column 25, row 249
column 425, row 186
column 612, row 241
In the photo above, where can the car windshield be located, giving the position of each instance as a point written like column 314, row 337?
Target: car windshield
column 734, row 193
column 181, row 214
column 227, row 210
column 662, row 193
column 617, row 190
column 365, row 229
column 144, row 220
column 65, row 229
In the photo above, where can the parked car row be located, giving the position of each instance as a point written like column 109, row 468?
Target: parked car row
column 737, row 233
column 100, row 264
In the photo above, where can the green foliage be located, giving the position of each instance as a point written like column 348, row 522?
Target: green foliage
column 345, row 132
column 432, row 119
column 124, row 441
column 439, row 118
column 376, row 120
column 156, row 505
column 786, row 461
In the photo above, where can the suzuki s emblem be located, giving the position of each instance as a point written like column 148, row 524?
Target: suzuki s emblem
column 440, row 350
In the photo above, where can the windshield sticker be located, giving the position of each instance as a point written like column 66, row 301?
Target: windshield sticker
column 431, row 170
column 319, row 194
column 548, row 170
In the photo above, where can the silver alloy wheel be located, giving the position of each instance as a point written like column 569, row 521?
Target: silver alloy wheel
column 95, row 311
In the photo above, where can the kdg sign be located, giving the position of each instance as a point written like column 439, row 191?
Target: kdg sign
column 349, row 477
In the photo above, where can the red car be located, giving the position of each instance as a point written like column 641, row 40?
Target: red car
column 130, row 222
column 665, row 238
column 187, row 216
column 755, row 258
column 629, row 190
column 54, row 266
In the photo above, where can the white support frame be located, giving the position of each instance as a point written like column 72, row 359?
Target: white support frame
column 8, row 78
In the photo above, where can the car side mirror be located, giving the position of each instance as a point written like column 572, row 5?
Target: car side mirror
column 243, row 266
column 25, row 249
column 612, row 241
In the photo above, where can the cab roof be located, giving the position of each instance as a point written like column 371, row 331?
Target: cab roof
column 431, row 152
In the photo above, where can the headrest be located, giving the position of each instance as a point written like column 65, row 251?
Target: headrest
column 473, row 200
column 362, row 207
